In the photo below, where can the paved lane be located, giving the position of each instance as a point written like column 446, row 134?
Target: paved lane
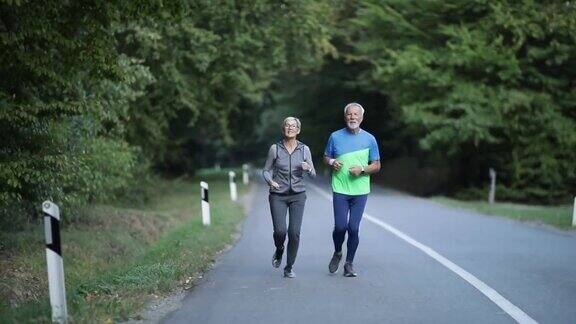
column 531, row 266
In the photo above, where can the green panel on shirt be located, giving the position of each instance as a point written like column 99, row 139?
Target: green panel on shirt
column 344, row 182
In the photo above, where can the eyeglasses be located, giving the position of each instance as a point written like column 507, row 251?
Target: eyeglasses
column 290, row 126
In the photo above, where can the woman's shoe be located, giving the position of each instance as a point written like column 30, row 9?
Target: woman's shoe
column 277, row 258
column 288, row 273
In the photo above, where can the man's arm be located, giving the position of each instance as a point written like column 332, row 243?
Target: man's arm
column 335, row 164
column 371, row 168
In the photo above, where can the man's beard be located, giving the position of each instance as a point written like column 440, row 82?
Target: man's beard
column 353, row 125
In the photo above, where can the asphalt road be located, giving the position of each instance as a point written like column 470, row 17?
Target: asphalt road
column 418, row 262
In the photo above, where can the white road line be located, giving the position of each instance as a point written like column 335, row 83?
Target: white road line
column 511, row 309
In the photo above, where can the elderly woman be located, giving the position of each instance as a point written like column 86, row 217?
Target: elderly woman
column 287, row 162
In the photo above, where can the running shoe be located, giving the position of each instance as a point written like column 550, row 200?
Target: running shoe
column 288, row 273
column 349, row 270
column 277, row 258
column 335, row 262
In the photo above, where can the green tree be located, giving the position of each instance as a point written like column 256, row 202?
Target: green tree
column 489, row 82
column 212, row 70
column 92, row 90
column 64, row 94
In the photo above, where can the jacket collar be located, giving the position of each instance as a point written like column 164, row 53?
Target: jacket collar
column 299, row 145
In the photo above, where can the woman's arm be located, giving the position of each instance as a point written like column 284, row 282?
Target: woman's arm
column 267, row 171
column 308, row 158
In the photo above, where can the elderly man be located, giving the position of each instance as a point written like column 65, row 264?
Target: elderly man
column 353, row 155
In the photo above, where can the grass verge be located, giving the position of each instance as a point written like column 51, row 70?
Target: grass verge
column 116, row 258
column 557, row 216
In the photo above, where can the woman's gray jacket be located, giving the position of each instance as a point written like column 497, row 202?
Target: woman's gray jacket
column 286, row 169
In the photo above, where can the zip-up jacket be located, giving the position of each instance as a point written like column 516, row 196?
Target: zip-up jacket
column 286, row 169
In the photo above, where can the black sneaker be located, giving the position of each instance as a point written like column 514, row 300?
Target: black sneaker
column 277, row 258
column 349, row 270
column 335, row 262
column 288, row 273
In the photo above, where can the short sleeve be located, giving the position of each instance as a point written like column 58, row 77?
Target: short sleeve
column 329, row 151
column 374, row 152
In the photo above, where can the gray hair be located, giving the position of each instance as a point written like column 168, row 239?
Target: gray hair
column 353, row 104
column 289, row 119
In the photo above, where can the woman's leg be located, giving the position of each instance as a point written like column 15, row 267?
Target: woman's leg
column 296, row 207
column 278, row 208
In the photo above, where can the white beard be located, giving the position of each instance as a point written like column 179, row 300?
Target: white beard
column 353, row 126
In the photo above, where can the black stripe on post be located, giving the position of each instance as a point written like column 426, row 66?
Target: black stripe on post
column 52, row 231
column 205, row 194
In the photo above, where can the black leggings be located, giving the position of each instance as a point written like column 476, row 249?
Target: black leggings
column 279, row 204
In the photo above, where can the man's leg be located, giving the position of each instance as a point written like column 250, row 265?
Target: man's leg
column 357, row 204
column 340, row 204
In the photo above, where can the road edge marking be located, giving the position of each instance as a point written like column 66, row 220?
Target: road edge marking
column 514, row 311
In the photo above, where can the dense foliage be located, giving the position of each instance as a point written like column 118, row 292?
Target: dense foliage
column 91, row 91
column 475, row 84
column 491, row 83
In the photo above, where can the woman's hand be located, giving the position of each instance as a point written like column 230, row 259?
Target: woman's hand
column 274, row 185
column 305, row 166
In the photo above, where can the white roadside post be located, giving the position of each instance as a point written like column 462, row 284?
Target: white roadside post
column 574, row 213
column 492, row 193
column 54, row 262
column 245, row 178
column 205, row 203
column 233, row 191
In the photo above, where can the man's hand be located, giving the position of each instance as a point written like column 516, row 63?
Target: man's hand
column 274, row 185
column 355, row 170
column 337, row 165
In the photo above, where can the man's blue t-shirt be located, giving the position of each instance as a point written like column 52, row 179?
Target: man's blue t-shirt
column 351, row 149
